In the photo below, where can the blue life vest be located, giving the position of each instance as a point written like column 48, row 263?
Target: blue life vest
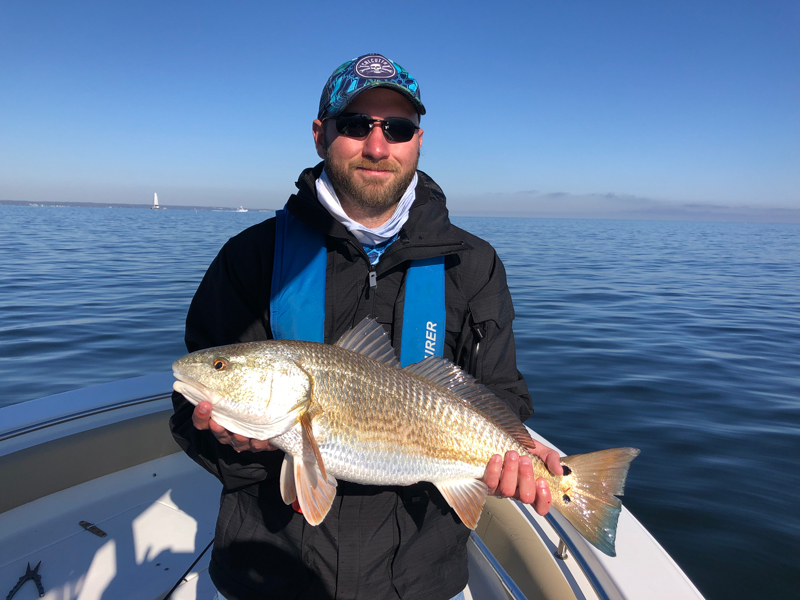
column 297, row 298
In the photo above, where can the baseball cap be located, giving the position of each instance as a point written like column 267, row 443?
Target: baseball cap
column 364, row 73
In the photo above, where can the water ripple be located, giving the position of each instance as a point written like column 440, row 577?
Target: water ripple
column 678, row 338
column 96, row 295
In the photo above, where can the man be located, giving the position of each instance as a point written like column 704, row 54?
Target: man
column 377, row 217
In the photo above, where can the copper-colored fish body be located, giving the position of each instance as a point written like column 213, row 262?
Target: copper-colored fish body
column 381, row 425
column 348, row 411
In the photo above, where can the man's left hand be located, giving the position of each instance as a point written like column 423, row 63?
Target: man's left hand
column 513, row 477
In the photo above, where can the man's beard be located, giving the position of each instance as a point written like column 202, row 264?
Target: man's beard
column 377, row 196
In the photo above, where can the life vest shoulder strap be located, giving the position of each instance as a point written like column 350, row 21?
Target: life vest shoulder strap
column 297, row 295
column 297, row 301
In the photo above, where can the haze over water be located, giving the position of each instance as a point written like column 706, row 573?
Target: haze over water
column 678, row 338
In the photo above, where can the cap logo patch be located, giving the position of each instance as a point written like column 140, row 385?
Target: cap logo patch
column 375, row 66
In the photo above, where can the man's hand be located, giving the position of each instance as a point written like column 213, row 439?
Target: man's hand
column 513, row 478
column 201, row 419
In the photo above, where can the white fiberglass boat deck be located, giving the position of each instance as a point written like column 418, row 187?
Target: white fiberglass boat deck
column 95, row 488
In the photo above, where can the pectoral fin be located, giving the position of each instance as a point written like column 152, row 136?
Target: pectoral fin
column 314, row 488
column 314, row 493
column 466, row 497
column 310, row 442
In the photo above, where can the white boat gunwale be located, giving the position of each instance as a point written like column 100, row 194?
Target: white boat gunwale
column 8, row 434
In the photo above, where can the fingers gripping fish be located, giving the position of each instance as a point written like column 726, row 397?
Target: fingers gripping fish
column 348, row 411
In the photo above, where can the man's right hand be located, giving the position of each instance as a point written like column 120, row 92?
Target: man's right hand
column 201, row 419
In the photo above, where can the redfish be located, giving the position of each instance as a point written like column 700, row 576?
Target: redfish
column 348, row 411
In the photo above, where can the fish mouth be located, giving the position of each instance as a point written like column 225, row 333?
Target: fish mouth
column 194, row 391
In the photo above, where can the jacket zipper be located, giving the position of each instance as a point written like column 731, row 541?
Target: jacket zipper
column 372, row 280
column 373, row 277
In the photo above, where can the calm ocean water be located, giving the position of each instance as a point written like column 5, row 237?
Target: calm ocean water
column 682, row 339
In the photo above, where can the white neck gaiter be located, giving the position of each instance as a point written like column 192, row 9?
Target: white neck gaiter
column 365, row 235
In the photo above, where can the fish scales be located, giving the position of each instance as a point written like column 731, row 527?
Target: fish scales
column 377, row 424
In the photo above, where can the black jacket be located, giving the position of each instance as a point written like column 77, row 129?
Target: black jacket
column 376, row 542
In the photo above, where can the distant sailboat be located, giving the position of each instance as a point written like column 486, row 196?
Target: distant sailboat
column 155, row 201
column 241, row 209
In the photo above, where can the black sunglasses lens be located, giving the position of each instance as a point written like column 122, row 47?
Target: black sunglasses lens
column 355, row 126
column 399, row 130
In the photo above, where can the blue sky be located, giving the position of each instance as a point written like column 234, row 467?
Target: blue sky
column 557, row 108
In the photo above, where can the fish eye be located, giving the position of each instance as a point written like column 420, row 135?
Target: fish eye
column 220, row 364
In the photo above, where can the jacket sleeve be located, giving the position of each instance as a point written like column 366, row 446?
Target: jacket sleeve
column 495, row 355
column 230, row 306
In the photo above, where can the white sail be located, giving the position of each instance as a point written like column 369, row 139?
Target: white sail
column 155, row 199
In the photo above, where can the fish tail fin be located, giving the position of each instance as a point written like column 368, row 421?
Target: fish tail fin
column 587, row 493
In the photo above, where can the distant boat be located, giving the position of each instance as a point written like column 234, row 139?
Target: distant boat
column 155, row 201
column 241, row 209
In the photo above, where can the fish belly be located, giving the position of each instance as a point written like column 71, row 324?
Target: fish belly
column 371, row 463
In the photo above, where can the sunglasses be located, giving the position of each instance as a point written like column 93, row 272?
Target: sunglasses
column 396, row 129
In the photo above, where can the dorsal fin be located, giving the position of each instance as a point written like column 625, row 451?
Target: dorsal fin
column 441, row 373
column 371, row 340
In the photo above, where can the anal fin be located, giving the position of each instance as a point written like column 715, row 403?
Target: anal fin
column 466, row 497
